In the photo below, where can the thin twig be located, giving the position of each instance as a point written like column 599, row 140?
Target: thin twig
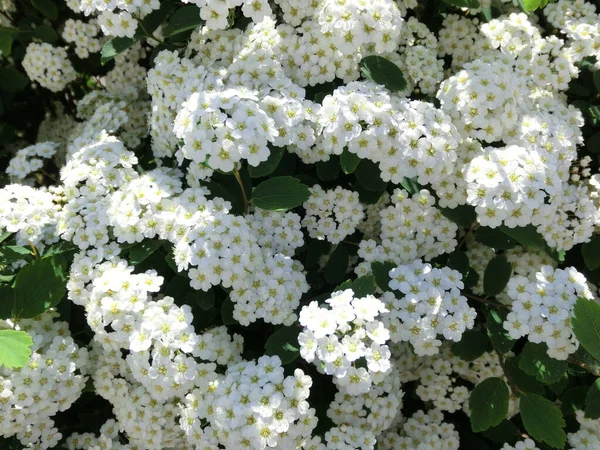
column 486, row 301
column 474, row 226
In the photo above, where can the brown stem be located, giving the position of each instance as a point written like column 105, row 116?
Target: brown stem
column 594, row 371
column 486, row 301
column 236, row 173
column 474, row 226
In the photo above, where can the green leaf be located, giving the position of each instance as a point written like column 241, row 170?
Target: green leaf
column 591, row 253
column 573, row 400
column 12, row 80
column 46, row 33
column 363, row 286
column 535, row 361
column 586, row 325
column 7, row 36
column 458, row 260
column 267, row 167
column 335, row 269
column 349, row 161
column 204, row 300
column 39, row 285
column 115, row 47
column 280, row 194
column 284, row 343
column 381, row 271
column 472, row 4
column 597, row 80
column 13, row 253
column 523, row 382
column 488, row 404
column 227, row 312
column 15, row 348
column 496, row 276
column 368, row 175
column 463, row 215
column 143, row 250
column 592, row 401
column 184, row 19
column 494, row 238
column 46, row 7
column 504, row 432
column 529, row 237
column 328, row 170
column 496, row 332
column 411, row 185
column 471, row 346
column 382, row 71
column 592, row 144
column 543, row 420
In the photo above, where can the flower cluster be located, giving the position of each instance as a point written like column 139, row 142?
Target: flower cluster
column 83, row 35
column 542, row 309
column 337, row 339
column 431, row 305
column 412, row 227
column 333, row 214
column 51, row 381
column 49, row 66
column 30, row 159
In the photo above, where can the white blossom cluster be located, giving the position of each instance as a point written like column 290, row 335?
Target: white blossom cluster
column 49, row 66
column 83, row 35
column 253, row 405
column 526, row 444
column 108, row 438
column 431, row 305
column 411, row 227
column 337, row 338
column 588, row 436
column 332, row 214
column 422, row 430
column 30, row 159
column 410, row 139
column 542, row 309
column 50, row 382
column 277, row 231
column 30, row 213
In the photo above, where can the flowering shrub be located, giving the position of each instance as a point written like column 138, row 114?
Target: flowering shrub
column 294, row 224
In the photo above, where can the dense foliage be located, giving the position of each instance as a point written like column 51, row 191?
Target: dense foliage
column 299, row 224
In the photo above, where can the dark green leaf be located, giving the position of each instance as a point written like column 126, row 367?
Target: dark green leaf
column 12, row 253
column 523, row 382
column 411, row 185
column 284, row 343
column 12, row 80
column 46, row 33
column 204, row 300
column 535, row 361
column 543, row 420
column 463, row 215
column 314, row 251
column 280, row 194
column 363, row 286
column 349, row 161
column 592, row 144
column 184, row 19
column 488, row 404
column 494, row 238
column 458, row 260
column 597, row 80
column 573, row 400
column 115, row 47
column 471, row 346
column 591, row 253
column 227, row 312
column 368, row 175
column 586, row 325
column 6, row 39
column 335, row 269
column 382, row 71
column 15, row 348
column 329, row 170
column 592, row 401
column 38, row 286
column 529, row 237
column 496, row 276
column 267, row 167
column 504, row 432
column 472, row 4
column 381, row 271
column 46, row 7
column 498, row 335
column 143, row 250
